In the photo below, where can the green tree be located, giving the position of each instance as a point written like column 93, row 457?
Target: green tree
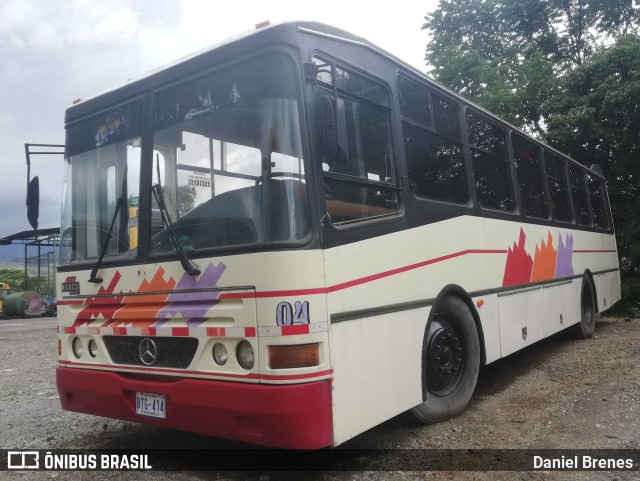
column 595, row 117
column 13, row 277
column 507, row 54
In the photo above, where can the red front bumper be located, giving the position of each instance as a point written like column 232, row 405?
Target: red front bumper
column 286, row 416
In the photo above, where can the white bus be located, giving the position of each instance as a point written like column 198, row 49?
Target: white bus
column 293, row 236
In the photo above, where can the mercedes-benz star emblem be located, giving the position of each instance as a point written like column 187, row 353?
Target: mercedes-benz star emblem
column 147, row 351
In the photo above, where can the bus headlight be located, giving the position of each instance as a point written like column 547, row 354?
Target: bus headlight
column 244, row 353
column 93, row 348
column 220, row 354
column 76, row 346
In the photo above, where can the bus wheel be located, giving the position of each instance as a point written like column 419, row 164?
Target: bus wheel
column 451, row 362
column 587, row 325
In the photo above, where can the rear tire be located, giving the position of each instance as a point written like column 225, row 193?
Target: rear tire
column 587, row 325
column 451, row 361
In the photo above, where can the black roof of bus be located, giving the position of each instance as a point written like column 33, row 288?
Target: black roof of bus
column 232, row 47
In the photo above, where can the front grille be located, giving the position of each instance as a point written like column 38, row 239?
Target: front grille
column 172, row 352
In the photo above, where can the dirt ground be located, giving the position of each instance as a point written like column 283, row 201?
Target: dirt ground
column 559, row 393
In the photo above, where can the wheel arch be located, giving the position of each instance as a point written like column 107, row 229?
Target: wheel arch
column 456, row 291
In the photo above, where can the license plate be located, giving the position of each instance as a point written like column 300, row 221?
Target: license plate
column 153, row 405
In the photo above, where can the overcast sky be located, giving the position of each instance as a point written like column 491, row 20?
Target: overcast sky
column 54, row 51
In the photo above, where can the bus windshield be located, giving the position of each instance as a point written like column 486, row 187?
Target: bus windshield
column 227, row 158
column 228, row 155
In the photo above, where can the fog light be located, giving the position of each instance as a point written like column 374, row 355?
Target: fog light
column 77, row 347
column 244, row 353
column 93, row 348
column 220, row 354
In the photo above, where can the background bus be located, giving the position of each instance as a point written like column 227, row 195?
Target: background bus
column 324, row 238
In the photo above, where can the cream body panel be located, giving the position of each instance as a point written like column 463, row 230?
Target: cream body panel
column 378, row 369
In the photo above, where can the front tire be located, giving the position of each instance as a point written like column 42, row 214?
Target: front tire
column 451, row 361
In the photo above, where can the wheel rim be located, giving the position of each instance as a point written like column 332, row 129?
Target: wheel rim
column 445, row 357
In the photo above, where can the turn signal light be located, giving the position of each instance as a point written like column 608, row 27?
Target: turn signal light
column 288, row 357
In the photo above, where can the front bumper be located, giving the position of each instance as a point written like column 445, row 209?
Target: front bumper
column 294, row 416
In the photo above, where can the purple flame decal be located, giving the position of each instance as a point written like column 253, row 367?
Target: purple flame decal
column 193, row 305
column 564, row 262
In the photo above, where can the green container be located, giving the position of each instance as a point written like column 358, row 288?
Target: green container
column 15, row 304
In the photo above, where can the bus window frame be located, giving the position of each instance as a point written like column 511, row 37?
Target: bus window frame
column 543, row 178
column 431, row 129
column 583, row 189
column 136, row 256
column 508, row 158
column 572, row 224
column 143, row 254
column 211, row 69
column 399, row 165
column 603, row 193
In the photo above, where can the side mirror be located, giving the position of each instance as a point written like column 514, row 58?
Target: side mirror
column 334, row 131
column 33, row 201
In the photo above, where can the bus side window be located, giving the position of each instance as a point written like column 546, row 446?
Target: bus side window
column 579, row 193
column 558, row 188
column 431, row 134
column 369, row 158
column 435, row 165
column 360, row 180
column 414, row 102
column 530, row 177
column 598, row 201
column 491, row 168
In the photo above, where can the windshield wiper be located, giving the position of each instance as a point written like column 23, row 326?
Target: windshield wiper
column 94, row 272
column 187, row 264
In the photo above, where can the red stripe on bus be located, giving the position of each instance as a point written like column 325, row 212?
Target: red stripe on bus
column 249, row 332
column 400, row 270
column 179, row 331
column 63, row 302
column 215, row 331
column 148, row 331
column 356, row 282
column 594, row 251
column 295, row 330
column 343, row 285
column 292, row 377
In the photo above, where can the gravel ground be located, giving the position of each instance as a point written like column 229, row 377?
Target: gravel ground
column 559, row 393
